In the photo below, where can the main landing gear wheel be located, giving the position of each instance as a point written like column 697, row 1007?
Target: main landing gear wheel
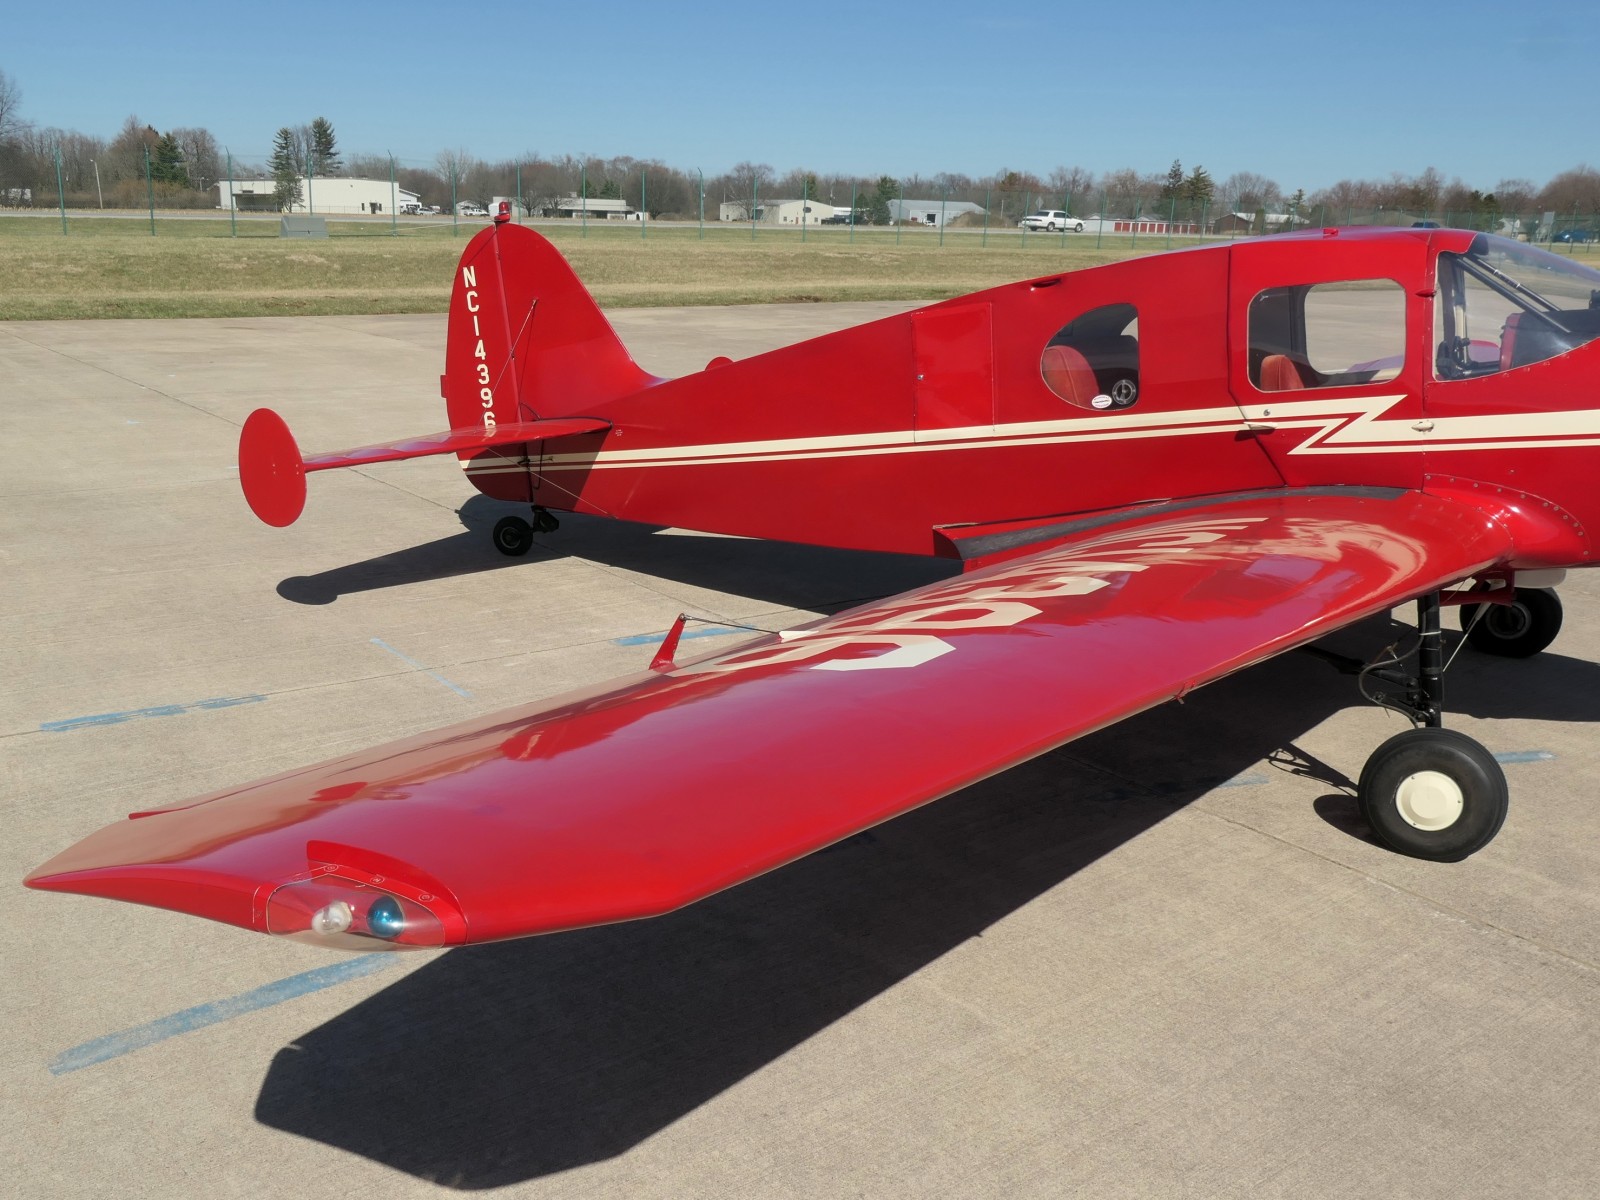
column 1429, row 792
column 1433, row 794
column 1517, row 630
column 512, row 536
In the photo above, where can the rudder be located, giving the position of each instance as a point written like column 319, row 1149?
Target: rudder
column 526, row 341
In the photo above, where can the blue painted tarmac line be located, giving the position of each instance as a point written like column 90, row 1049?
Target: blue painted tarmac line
column 159, row 710
column 406, row 658
column 655, row 639
column 1522, row 756
column 115, row 1045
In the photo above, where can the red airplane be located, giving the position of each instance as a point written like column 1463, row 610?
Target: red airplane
column 1154, row 473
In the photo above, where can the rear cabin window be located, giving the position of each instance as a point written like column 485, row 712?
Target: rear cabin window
column 1327, row 335
column 1093, row 360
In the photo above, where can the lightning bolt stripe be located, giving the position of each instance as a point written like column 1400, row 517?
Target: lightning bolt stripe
column 1333, row 425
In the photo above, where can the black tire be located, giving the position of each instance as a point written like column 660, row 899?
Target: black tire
column 1433, row 794
column 1517, row 630
column 512, row 536
column 1050, row 228
column 1078, row 228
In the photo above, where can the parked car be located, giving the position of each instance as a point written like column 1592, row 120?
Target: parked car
column 1576, row 235
column 1426, row 225
column 845, row 218
column 473, row 210
column 1050, row 220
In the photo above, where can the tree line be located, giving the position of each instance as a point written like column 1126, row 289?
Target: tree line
column 182, row 166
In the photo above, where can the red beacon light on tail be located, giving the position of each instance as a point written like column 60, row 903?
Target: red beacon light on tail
column 502, row 212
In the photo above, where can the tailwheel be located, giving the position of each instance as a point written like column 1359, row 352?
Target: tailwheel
column 1517, row 630
column 1433, row 794
column 512, row 536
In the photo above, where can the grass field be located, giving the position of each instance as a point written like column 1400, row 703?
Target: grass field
column 194, row 267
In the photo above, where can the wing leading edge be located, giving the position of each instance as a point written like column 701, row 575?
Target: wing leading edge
column 658, row 789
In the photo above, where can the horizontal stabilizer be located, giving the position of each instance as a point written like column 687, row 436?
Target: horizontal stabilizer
column 272, row 470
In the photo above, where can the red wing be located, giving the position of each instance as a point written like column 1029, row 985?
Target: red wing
column 658, row 789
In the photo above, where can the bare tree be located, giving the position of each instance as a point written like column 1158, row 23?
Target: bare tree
column 1246, row 191
column 11, row 122
column 746, row 183
column 1074, row 182
column 201, row 157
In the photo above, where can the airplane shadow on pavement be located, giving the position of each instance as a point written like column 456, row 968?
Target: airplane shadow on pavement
column 784, row 574
column 497, row 1064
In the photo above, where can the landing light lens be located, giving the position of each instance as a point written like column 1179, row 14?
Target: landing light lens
column 335, row 918
column 385, row 918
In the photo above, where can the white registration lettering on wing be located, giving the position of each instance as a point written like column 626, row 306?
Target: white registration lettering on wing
column 902, row 636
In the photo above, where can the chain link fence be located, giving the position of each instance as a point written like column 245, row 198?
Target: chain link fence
column 389, row 196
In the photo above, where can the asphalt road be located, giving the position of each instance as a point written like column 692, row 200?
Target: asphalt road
column 1166, row 960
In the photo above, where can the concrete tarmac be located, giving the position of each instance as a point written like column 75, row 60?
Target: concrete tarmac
column 1166, row 960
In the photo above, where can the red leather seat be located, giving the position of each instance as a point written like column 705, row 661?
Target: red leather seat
column 1280, row 373
column 1067, row 374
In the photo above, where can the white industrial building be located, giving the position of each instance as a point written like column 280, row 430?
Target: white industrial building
column 930, row 212
column 592, row 208
column 323, row 197
column 780, row 212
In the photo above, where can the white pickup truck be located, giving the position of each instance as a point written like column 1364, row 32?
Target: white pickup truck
column 1050, row 220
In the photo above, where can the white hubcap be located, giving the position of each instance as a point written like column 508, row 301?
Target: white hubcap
column 1430, row 801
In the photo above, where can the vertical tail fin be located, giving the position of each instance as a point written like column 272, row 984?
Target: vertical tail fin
column 526, row 340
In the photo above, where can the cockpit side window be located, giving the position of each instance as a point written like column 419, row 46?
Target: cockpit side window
column 1343, row 334
column 1093, row 360
column 1503, row 305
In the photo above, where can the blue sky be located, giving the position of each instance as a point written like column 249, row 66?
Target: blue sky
column 1304, row 94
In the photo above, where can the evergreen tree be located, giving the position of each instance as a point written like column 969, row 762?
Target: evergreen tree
column 1172, row 186
column 887, row 190
column 166, row 161
column 285, row 169
column 609, row 190
column 1197, row 191
column 325, row 158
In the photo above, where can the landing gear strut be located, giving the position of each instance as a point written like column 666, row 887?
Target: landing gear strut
column 1429, row 792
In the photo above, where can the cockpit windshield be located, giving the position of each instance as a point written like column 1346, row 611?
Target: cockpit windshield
column 1504, row 304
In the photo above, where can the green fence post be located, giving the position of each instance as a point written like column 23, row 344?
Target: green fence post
column 311, row 208
column 1100, row 225
column 944, row 203
column 983, row 242
column 150, row 191
column 583, row 207
column 852, row 212
column 702, row 186
column 900, row 213
column 519, row 194
column 455, row 209
column 394, row 201
column 644, row 212
column 755, row 193
column 61, row 195
column 805, row 205
column 233, row 201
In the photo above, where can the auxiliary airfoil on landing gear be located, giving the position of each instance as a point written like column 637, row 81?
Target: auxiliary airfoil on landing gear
column 513, row 536
column 1432, row 792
